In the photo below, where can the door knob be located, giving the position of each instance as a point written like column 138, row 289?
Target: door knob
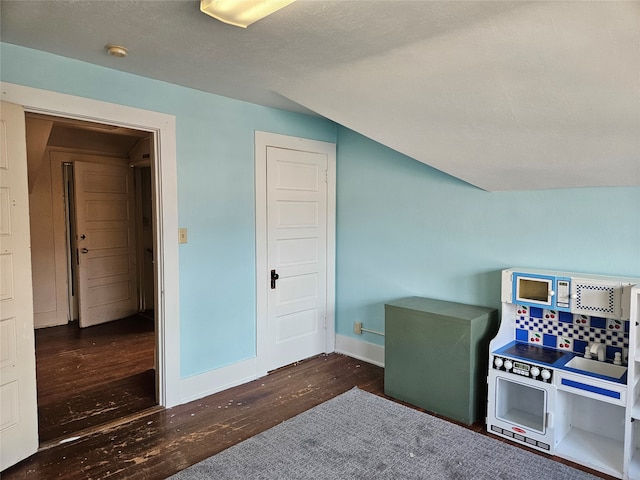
column 274, row 277
column 83, row 236
column 84, row 250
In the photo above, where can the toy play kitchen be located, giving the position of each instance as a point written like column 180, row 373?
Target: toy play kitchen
column 564, row 368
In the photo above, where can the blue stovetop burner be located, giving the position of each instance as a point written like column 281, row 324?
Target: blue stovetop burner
column 535, row 353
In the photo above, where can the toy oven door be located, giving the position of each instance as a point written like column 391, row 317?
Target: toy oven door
column 521, row 409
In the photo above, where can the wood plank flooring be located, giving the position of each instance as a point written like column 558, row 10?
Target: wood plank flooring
column 95, row 375
column 156, row 444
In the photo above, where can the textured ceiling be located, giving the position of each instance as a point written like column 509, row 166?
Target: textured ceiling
column 503, row 95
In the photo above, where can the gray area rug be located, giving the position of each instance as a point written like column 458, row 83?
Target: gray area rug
column 358, row 435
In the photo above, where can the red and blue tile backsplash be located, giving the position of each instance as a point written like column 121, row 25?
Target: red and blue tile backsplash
column 571, row 332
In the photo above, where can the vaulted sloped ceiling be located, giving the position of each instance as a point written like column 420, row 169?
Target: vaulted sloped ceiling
column 503, row 95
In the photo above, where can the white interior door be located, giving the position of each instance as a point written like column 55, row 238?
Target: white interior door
column 18, row 400
column 105, row 233
column 297, row 255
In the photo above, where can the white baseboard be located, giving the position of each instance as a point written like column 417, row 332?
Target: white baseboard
column 214, row 381
column 368, row 352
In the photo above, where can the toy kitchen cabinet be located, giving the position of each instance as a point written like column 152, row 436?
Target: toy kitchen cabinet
column 564, row 368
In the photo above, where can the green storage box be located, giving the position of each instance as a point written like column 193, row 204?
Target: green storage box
column 436, row 355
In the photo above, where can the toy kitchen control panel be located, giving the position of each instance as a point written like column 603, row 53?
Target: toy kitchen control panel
column 524, row 369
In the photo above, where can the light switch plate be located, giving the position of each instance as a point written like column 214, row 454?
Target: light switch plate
column 182, row 235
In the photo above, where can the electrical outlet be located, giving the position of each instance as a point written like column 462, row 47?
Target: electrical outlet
column 182, row 235
column 357, row 328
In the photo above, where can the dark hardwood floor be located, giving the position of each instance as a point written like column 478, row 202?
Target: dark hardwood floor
column 156, row 444
column 92, row 376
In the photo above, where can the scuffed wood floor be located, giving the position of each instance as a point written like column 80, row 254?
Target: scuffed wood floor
column 163, row 442
column 95, row 375
column 160, row 443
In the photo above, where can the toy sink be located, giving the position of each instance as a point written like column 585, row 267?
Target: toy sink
column 599, row 368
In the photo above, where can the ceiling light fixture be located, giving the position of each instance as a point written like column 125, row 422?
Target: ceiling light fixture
column 241, row 13
column 116, row 50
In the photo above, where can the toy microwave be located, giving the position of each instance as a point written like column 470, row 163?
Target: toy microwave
column 566, row 293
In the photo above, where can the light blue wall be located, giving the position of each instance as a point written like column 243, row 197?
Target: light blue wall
column 215, row 161
column 403, row 228
column 406, row 229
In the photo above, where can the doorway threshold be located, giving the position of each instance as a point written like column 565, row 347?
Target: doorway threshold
column 98, row 429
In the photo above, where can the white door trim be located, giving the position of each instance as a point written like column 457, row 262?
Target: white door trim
column 163, row 127
column 262, row 140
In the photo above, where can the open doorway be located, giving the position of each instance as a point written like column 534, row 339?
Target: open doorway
column 91, row 204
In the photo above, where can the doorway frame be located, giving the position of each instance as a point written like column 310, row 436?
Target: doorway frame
column 262, row 140
column 162, row 128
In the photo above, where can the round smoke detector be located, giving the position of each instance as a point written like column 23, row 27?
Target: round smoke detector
column 116, row 50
